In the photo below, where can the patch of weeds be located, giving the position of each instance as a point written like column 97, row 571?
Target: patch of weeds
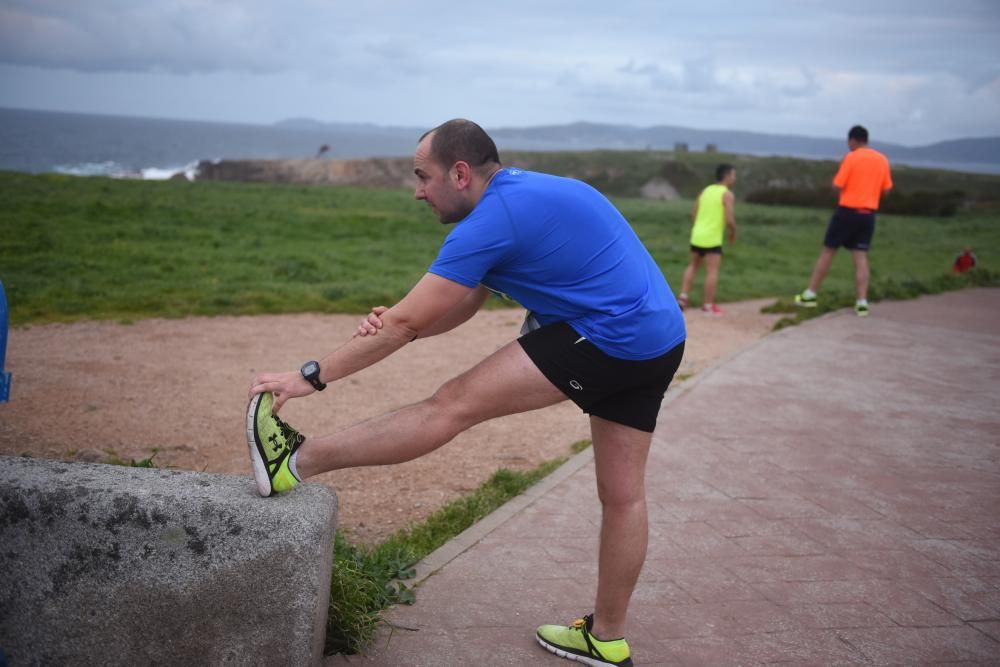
column 115, row 460
column 580, row 445
column 366, row 580
column 780, row 306
column 886, row 289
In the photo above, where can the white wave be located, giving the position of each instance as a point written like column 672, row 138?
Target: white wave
column 115, row 170
column 109, row 168
column 189, row 170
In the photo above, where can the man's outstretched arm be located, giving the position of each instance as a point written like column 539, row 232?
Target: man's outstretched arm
column 429, row 301
column 461, row 313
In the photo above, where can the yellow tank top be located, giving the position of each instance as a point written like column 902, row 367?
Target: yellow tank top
column 710, row 223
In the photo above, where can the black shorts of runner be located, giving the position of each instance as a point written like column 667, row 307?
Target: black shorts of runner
column 714, row 250
column 850, row 228
column 619, row 390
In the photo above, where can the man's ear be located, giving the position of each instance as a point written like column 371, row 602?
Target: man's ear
column 462, row 174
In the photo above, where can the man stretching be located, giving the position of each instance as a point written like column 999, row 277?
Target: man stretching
column 609, row 337
column 862, row 178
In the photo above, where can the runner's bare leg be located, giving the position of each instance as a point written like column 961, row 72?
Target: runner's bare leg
column 822, row 267
column 861, row 273
column 712, row 263
column 689, row 273
column 504, row 383
column 620, row 460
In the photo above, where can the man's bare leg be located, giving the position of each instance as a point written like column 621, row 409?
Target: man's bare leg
column 822, row 267
column 504, row 383
column 861, row 273
column 712, row 263
column 689, row 272
column 620, row 460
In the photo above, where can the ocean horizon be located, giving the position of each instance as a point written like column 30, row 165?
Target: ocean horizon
column 152, row 148
column 80, row 144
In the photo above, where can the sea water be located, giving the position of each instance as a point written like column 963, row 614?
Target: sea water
column 119, row 146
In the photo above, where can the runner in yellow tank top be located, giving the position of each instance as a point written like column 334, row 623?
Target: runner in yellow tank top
column 713, row 212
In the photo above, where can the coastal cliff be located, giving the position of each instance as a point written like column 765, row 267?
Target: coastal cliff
column 397, row 172
column 374, row 172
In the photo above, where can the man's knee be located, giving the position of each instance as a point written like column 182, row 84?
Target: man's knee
column 452, row 402
column 617, row 494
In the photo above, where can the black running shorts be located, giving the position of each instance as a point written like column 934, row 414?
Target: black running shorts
column 850, row 228
column 714, row 250
column 619, row 390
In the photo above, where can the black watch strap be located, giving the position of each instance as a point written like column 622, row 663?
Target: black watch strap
column 310, row 371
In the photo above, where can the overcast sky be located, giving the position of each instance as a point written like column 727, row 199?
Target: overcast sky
column 913, row 71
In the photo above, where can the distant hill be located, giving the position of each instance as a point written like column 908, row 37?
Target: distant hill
column 985, row 150
column 973, row 154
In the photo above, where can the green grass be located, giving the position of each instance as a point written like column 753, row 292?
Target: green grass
column 777, row 247
column 78, row 248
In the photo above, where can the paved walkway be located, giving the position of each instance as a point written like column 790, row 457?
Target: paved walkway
column 829, row 496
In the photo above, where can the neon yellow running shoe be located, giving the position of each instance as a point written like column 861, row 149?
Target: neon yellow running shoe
column 576, row 643
column 271, row 442
column 804, row 300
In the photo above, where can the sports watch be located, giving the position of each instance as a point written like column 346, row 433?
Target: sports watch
column 310, row 371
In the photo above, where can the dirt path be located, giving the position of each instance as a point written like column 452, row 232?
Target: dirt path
column 179, row 387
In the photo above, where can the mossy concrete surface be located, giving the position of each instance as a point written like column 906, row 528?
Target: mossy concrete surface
column 110, row 565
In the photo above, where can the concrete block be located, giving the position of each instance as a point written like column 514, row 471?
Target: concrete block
column 109, row 565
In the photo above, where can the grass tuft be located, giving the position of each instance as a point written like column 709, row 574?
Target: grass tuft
column 114, row 459
column 885, row 289
column 367, row 580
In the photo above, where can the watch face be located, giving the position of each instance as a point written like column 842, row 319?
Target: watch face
column 311, row 368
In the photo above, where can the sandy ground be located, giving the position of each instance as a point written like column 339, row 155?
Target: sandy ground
column 178, row 387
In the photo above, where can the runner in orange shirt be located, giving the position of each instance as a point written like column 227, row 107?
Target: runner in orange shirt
column 862, row 179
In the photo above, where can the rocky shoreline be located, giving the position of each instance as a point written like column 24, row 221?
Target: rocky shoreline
column 390, row 172
column 374, row 172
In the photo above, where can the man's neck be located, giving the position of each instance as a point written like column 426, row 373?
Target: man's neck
column 486, row 183
column 489, row 179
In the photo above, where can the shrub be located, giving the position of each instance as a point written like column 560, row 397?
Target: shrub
column 920, row 202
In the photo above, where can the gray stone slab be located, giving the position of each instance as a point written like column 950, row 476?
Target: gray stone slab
column 109, row 565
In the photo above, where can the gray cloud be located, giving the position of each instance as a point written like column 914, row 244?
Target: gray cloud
column 923, row 69
column 121, row 36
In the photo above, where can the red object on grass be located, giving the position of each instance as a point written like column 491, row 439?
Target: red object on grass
column 964, row 262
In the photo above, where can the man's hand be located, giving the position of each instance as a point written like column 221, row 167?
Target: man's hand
column 732, row 234
column 434, row 305
column 282, row 385
column 371, row 324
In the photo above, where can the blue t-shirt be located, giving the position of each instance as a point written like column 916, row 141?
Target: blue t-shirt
column 564, row 252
